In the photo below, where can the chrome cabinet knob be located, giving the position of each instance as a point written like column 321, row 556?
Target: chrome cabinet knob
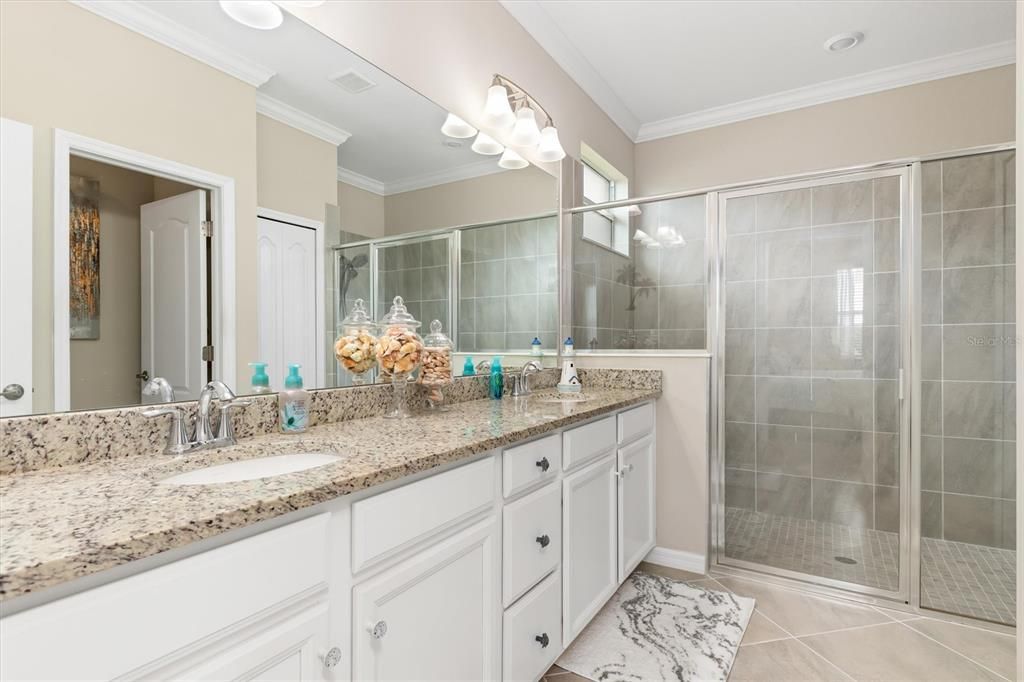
column 379, row 629
column 331, row 658
column 13, row 391
column 543, row 463
column 543, row 639
column 543, row 540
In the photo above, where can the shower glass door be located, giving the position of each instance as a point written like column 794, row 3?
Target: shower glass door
column 812, row 427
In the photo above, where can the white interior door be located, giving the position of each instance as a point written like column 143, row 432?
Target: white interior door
column 286, row 298
column 16, row 267
column 173, row 251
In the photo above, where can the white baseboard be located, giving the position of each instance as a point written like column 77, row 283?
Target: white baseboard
column 674, row 558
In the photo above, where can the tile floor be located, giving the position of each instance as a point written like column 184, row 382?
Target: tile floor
column 956, row 577
column 797, row 636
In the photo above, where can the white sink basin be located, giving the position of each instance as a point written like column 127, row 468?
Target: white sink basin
column 251, row 469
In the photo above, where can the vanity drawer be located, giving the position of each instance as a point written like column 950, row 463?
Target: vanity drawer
column 584, row 443
column 536, row 615
column 524, row 466
column 531, row 540
column 636, row 423
column 385, row 524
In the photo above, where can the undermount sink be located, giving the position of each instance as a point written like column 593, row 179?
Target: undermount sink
column 251, row 469
column 566, row 398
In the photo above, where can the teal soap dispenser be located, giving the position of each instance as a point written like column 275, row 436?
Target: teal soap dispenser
column 293, row 402
column 260, row 382
column 496, row 384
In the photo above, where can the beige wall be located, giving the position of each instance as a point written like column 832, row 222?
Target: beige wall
column 488, row 198
column 362, row 212
column 942, row 115
column 64, row 67
column 449, row 51
column 296, row 172
column 103, row 370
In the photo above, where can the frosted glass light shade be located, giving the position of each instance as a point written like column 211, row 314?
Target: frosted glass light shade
column 457, row 128
column 512, row 161
column 525, row 133
column 550, row 148
column 486, row 145
column 261, row 14
column 497, row 111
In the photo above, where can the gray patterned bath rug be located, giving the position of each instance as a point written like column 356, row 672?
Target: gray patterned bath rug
column 656, row 628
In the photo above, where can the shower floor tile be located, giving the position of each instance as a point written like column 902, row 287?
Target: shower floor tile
column 970, row 580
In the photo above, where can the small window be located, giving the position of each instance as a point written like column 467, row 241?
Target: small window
column 608, row 227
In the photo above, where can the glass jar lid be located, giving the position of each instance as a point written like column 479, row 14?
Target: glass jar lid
column 437, row 338
column 399, row 315
column 358, row 317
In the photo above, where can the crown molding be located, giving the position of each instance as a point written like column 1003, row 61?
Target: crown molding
column 350, row 177
column 957, row 63
column 289, row 115
column 410, row 184
column 151, row 24
column 532, row 16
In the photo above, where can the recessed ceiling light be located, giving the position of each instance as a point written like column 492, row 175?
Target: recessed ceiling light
column 843, row 42
column 261, row 14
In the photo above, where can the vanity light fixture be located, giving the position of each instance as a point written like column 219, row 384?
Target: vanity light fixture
column 260, row 14
column 843, row 42
column 457, row 128
column 509, row 106
column 511, row 160
column 486, row 145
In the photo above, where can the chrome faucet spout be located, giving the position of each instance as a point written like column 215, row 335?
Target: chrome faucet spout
column 204, row 428
column 522, row 387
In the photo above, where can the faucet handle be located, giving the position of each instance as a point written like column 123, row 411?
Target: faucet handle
column 225, row 430
column 178, row 438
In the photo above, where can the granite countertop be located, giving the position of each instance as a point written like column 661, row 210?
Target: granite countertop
column 66, row 523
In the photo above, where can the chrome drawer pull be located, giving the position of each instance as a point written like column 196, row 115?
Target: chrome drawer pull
column 543, row 463
column 544, row 540
column 543, row 639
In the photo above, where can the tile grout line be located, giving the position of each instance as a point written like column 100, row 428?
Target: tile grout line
column 958, row 653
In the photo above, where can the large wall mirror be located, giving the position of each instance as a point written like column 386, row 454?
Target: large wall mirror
column 184, row 195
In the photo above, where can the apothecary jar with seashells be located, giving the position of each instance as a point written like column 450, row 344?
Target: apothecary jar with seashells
column 399, row 352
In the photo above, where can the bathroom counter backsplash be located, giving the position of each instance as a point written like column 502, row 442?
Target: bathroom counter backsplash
column 67, row 438
column 63, row 523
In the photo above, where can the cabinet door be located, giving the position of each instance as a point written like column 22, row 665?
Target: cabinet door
column 435, row 616
column 589, row 564
column 636, row 504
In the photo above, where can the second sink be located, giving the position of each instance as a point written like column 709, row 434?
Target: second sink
column 251, row 469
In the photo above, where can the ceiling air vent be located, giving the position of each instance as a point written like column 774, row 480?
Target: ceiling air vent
column 352, row 81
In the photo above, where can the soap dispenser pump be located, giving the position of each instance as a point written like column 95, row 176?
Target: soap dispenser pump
column 496, row 384
column 260, row 382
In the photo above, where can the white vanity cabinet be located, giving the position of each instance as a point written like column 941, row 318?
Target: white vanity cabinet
column 636, row 482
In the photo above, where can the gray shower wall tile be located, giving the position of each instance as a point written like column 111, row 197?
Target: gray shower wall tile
column 887, row 406
column 887, row 508
column 978, row 294
column 978, row 181
column 521, row 239
column 843, row 300
column 779, row 210
column 739, row 445
column 979, row 410
column 435, row 283
column 931, row 408
column 489, row 243
column 520, row 275
column 783, row 303
column 844, row 455
column 739, row 351
column 740, row 257
column 931, row 352
column 681, row 307
column 931, row 463
column 887, row 245
column 979, row 467
column 848, row 504
column 845, row 352
column 784, row 495
column 984, row 352
column 784, row 253
column 979, row 237
column 887, row 298
column 844, row 247
column 739, row 398
column 887, row 353
column 739, row 215
column 784, row 449
column 843, row 202
column 931, row 187
column 979, row 520
column 931, row 297
column 843, row 403
column 785, row 352
column 739, row 488
column 682, row 264
column 739, row 307
column 931, row 514
column 434, row 252
column 931, row 241
column 782, row 400
column 887, row 459
column 887, row 197
column 521, row 315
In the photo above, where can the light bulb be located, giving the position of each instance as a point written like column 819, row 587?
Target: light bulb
column 456, row 127
column 497, row 111
column 512, row 161
column 525, row 133
column 640, row 236
column 550, row 148
column 261, row 14
column 486, row 145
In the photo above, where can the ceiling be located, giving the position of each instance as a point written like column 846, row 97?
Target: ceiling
column 660, row 68
column 391, row 134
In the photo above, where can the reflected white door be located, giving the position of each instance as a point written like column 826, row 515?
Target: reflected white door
column 173, row 252
column 16, row 267
column 286, row 299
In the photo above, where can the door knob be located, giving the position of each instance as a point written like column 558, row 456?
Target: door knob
column 331, row 658
column 543, row 639
column 543, row 540
column 378, row 629
column 13, row 391
column 144, row 375
column 543, row 463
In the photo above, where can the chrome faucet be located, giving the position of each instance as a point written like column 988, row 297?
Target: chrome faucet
column 521, row 386
column 180, row 438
